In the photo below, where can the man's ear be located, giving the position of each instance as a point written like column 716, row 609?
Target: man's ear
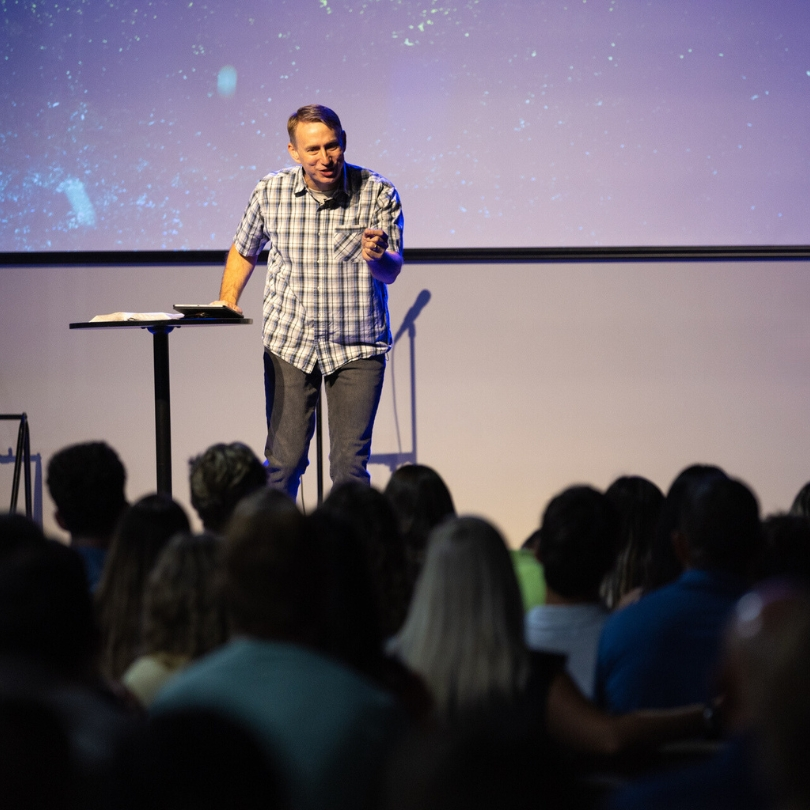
column 293, row 152
column 343, row 139
column 681, row 546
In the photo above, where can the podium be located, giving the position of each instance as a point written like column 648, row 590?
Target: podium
column 160, row 330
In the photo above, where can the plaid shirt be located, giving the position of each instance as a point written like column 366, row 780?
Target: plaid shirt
column 321, row 303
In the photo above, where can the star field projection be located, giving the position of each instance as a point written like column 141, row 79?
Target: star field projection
column 145, row 125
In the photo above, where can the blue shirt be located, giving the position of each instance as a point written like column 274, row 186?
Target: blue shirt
column 661, row 651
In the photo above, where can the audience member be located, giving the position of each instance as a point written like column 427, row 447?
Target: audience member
column 219, row 478
column 665, row 566
column 638, row 502
column 142, row 533
column 421, row 500
column 328, row 727
column 194, row 759
column 801, row 503
column 578, row 542
column 529, row 572
column 370, row 515
column 86, row 482
column 787, row 548
column 661, row 651
column 766, row 716
column 183, row 614
column 18, row 532
column 48, row 649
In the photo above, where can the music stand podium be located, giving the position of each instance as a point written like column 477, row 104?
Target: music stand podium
column 160, row 330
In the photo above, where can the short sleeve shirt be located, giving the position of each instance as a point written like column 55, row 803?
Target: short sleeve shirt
column 321, row 303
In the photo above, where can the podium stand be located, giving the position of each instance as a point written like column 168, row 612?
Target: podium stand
column 160, row 331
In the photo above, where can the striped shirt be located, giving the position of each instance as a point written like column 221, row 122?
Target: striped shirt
column 321, row 303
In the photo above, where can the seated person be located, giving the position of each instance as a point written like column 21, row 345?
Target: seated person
column 661, row 651
column 577, row 546
column 86, row 482
column 219, row 478
column 328, row 727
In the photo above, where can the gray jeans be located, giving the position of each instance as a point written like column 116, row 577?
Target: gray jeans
column 352, row 396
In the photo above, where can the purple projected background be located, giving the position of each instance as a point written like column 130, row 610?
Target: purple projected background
column 145, row 125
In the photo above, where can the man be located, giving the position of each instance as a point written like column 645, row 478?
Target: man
column 662, row 651
column 86, row 482
column 334, row 234
column 577, row 546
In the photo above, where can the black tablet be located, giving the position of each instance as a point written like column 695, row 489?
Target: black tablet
column 206, row 311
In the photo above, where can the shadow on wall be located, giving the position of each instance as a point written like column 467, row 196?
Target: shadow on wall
column 408, row 326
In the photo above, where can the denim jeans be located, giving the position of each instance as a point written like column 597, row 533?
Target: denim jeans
column 352, row 396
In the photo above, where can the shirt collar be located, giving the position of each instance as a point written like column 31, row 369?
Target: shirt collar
column 301, row 186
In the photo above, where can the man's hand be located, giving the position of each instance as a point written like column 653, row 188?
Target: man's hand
column 384, row 264
column 228, row 304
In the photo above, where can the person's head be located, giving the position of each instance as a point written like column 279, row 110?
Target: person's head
column 219, row 478
column 144, row 530
column 801, row 503
column 787, row 547
column 638, row 502
column 318, row 143
column 421, row 501
column 578, row 542
column 183, row 613
column 86, row 482
column 665, row 566
column 269, row 561
column 18, row 532
column 464, row 630
column 46, row 611
column 372, row 518
column 721, row 527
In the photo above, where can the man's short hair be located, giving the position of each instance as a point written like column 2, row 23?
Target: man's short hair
column 578, row 543
column 314, row 114
column 219, row 478
column 86, row 482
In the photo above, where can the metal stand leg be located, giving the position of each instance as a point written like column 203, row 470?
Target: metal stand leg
column 163, row 418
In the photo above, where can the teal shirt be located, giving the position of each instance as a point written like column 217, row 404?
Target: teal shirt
column 326, row 728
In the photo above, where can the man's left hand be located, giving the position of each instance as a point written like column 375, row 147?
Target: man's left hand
column 375, row 243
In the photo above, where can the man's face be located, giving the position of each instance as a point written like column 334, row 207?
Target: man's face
column 319, row 149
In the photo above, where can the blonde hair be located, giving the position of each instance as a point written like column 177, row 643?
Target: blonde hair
column 464, row 630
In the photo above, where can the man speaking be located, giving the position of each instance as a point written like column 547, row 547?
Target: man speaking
column 334, row 235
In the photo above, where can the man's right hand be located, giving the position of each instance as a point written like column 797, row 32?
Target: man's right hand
column 228, row 304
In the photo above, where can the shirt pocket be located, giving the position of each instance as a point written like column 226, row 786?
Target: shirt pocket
column 348, row 242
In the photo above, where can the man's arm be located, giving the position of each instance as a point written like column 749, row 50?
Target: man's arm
column 238, row 269
column 384, row 264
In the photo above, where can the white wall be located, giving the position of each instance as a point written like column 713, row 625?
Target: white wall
column 528, row 377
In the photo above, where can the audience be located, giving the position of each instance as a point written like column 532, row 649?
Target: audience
column 86, row 482
column 183, row 614
column 142, row 533
column 219, row 478
column 259, row 647
column 329, row 728
column 662, row 651
column 577, row 546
